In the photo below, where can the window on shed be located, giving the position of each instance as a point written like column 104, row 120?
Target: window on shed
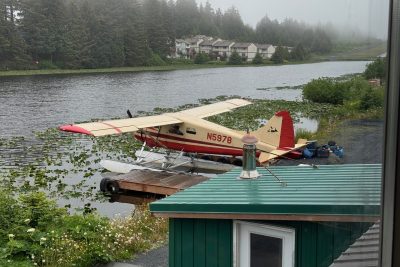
column 260, row 245
column 265, row 250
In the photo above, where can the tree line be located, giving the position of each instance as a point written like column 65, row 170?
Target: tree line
column 114, row 33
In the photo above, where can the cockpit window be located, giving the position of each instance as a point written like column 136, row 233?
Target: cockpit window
column 191, row 130
column 175, row 130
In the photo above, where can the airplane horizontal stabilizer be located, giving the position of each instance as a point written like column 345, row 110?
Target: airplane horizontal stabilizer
column 267, row 156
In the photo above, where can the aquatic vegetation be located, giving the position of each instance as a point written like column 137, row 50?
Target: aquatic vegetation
column 294, row 87
column 249, row 116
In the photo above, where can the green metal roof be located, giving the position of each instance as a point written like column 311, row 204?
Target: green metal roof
column 327, row 190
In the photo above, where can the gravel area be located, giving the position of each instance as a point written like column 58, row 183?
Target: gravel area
column 362, row 141
column 153, row 258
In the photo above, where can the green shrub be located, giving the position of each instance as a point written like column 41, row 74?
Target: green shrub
column 235, row 59
column 47, row 65
column 34, row 231
column 376, row 69
column 24, row 222
column 258, row 59
column 155, row 60
column 281, row 55
column 201, row 58
column 325, row 90
column 372, row 98
column 356, row 94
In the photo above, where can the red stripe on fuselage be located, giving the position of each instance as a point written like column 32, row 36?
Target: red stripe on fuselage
column 191, row 148
column 182, row 139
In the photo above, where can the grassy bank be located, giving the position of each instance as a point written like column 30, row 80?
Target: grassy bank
column 170, row 67
column 354, row 52
column 12, row 73
column 106, row 70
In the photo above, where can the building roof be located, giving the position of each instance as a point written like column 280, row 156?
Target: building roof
column 193, row 40
column 207, row 42
column 327, row 193
column 242, row 45
column 181, row 41
column 263, row 46
column 223, row 43
column 364, row 252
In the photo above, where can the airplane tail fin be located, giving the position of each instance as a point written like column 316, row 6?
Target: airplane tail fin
column 278, row 132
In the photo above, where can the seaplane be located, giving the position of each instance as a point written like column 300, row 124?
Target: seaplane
column 187, row 132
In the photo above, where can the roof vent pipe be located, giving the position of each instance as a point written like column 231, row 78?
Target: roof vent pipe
column 249, row 157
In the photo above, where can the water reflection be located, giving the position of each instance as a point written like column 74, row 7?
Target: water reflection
column 307, row 124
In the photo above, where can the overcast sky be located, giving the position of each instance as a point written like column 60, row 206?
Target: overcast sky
column 369, row 16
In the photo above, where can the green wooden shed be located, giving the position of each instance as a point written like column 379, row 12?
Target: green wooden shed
column 299, row 216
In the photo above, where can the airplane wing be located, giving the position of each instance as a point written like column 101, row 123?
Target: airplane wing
column 216, row 108
column 102, row 128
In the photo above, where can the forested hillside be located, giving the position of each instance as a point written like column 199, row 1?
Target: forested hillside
column 113, row 33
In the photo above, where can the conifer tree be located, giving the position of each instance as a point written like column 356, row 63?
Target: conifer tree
column 257, row 59
column 77, row 45
column 157, row 36
column 13, row 51
column 103, row 33
column 235, row 59
column 298, row 53
column 187, row 18
column 135, row 44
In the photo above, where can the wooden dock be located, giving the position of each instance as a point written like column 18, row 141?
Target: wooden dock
column 147, row 181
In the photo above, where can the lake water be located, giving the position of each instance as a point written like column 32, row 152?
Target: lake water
column 37, row 103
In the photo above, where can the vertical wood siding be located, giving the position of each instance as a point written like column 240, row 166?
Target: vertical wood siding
column 208, row 243
column 200, row 243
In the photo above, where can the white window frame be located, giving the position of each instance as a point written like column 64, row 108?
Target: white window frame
column 241, row 241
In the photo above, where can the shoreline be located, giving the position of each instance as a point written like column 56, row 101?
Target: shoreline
column 172, row 67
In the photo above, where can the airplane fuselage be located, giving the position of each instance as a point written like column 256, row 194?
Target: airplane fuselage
column 197, row 135
column 188, row 131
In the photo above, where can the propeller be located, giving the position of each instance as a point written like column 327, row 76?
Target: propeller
column 129, row 114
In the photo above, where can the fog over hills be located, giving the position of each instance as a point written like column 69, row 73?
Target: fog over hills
column 368, row 17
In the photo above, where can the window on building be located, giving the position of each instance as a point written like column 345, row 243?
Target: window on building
column 260, row 245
